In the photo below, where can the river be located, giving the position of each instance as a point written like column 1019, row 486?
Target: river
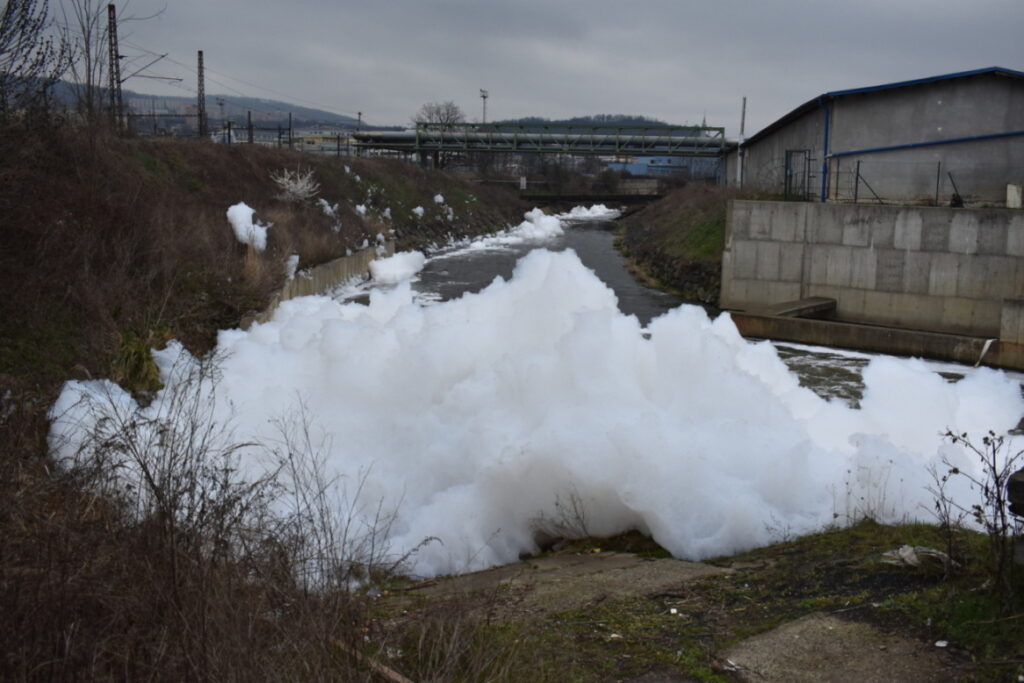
column 474, row 422
column 453, row 271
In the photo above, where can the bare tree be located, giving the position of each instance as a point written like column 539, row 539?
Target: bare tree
column 84, row 25
column 448, row 115
column 445, row 113
column 31, row 58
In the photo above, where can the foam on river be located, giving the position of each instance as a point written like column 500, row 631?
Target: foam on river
column 478, row 419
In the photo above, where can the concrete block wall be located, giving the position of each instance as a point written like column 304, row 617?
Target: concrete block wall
column 322, row 278
column 939, row 269
column 1012, row 324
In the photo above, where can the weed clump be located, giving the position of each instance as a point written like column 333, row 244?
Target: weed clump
column 990, row 513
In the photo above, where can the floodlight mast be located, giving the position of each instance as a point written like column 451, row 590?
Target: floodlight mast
column 483, row 96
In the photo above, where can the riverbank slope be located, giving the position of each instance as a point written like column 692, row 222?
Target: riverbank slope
column 112, row 246
column 676, row 243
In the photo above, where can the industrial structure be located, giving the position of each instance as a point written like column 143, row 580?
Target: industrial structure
column 535, row 138
column 942, row 140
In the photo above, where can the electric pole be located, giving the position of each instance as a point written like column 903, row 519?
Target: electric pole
column 359, row 126
column 483, row 96
column 116, row 105
column 739, row 148
column 201, row 99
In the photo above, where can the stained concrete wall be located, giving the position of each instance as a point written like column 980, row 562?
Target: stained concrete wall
column 322, row 278
column 764, row 162
column 946, row 270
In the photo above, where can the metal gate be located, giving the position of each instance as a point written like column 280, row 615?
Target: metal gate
column 798, row 175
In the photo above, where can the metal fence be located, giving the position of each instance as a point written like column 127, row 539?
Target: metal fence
column 937, row 183
column 229, row 132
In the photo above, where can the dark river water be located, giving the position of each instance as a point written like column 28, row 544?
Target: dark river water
column 449, row 275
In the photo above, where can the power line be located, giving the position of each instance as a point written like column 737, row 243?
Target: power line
column 287, row 96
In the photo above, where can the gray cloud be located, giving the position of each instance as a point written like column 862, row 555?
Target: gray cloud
column 673, row 60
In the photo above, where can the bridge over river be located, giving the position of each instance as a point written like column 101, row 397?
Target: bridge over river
column 533, row 138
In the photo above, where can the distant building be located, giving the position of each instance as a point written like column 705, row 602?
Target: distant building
column 684, row 168
column 921, row 141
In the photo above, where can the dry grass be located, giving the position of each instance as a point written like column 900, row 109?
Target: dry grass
column 677, row 242
column 110, row 247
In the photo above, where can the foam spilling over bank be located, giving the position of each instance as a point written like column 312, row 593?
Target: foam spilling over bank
column 478, row 419
column 596, row 212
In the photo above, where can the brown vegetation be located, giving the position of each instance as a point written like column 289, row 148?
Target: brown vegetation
column 677, row 242
column 111, row 247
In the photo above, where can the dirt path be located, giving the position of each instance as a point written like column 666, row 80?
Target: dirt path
column 811, row 610
column 557, row 583
column 821, row 647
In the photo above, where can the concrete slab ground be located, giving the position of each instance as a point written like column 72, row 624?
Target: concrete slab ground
column 557, row 583
column 824, row 648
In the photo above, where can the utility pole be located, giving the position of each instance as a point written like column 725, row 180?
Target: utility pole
column 359, row 126
column 201, row 99
column 483, row 96
column 223, row 121
column 116, row 104
column 739, row 149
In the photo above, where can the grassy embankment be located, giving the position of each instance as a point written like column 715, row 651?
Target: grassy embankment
column 683, row 632
column 110, row 247
column 676, row 244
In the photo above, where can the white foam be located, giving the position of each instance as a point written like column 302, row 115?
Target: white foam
column 592, row 213
column 402, row 266
column 246, row 231
column 473, row 418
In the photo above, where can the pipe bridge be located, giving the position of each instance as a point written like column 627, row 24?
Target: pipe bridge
column 532, row 138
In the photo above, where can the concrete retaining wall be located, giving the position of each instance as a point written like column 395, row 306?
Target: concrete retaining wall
column 319, row 279
column 945, row 270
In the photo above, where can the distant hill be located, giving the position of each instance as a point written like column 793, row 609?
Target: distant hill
column 235, row 108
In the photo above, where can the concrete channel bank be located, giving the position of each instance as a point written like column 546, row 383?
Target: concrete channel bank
column 937, row 282
column 321, row 278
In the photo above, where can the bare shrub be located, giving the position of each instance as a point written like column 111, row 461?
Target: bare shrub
column 991, row 513
column 950, row 518
column 297, row 185
column 206, row 572
column 568, row 522
column 31, row 60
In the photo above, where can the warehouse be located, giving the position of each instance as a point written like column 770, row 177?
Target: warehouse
column 946, row 140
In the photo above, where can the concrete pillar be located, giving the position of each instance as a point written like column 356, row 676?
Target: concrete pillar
column 1014, row 196
column 1011, row 324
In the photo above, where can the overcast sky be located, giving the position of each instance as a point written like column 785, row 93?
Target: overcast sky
column 673, row 60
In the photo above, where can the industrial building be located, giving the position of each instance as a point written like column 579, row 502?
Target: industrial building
column 946, row 140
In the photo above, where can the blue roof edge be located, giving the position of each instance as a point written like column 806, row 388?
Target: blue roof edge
column 923, row 81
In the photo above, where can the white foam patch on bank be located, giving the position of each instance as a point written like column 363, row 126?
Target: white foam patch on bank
column 477, row 419
column 597, row 212
column 246, row 231
column 402, row 266
column 535, row 228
